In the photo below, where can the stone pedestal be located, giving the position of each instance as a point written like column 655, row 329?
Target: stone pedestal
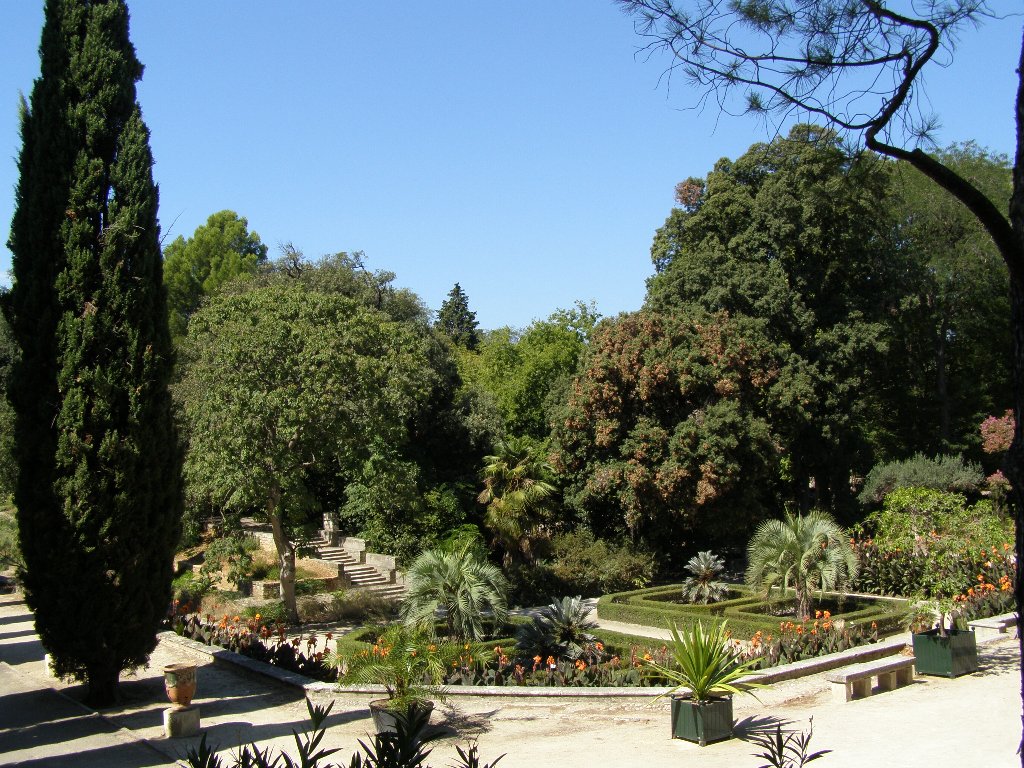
column 181, row 722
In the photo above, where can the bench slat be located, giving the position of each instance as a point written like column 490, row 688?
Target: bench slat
column 869, row 669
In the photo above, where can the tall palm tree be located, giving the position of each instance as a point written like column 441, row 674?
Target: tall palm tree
column 461, row 582
column 804, row 552
column 517, row 490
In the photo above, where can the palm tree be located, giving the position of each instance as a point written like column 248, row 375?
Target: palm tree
column 802, row 552
column 462, row 583
column 517, row 490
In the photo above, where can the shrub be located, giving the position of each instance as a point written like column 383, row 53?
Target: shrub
column 943, row 473
column 703, row 586
column 232, row 554
column 589, row 566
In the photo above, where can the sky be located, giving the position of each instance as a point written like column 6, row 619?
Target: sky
column 523, row 150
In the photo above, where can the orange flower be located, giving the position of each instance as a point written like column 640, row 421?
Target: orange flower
column 581, row 664
column 599, row 646
column 827, row 615
column 537, row 659
column 817, row 614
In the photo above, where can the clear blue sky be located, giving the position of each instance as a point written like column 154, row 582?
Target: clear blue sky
column 517, row 148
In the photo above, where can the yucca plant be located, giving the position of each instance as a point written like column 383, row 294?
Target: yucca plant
column 703, row 586
column 560, row 629
column 706, row 663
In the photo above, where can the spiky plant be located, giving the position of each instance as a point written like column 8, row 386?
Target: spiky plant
column 706, row 662
column 801, row 552
column 560, row 630
column 703, row 586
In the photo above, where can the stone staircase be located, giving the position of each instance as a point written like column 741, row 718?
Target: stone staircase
column 360, row 569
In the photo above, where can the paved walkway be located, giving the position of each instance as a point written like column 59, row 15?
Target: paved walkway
column 971, row 722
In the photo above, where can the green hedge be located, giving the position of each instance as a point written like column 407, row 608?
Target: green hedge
column 651, row 607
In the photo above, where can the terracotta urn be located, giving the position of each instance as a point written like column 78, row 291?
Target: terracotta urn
column 180, row 683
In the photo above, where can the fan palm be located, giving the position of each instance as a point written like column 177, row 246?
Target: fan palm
column 802, row 552
column 461, row 582
column 517, row 489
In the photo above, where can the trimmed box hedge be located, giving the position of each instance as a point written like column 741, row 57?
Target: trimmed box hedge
column 652, row 607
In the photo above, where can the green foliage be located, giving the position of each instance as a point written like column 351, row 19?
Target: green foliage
column 528, row 373
column 942, row 473
column 936, row 546
column 233, row 553
column 585, row 565
column 791, row 750
column 10, row 551
column 668, row 434
column 463, row 584
column 561, row 629
column 456, row 321
column 706, row 662
column 282, row 383
column 517, row 492
column 953, row 331
column 703, row 586
column 802, row 552
column 794, row 235
column 407, row 662
column 219, row 251
column 98, row 488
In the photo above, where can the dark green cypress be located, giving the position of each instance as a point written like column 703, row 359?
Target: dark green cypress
column 98, row 489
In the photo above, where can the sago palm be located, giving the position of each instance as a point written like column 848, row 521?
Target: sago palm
column 461, row 582
column 517, row 490
column 559, row 629
column 802, row 552
column 703, row 586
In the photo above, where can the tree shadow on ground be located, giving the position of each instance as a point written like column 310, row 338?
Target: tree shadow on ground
column 998, row 661
column 459, row 724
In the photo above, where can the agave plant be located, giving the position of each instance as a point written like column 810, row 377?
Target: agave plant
column 706, row 663
column 560, row 630
column 703, row 586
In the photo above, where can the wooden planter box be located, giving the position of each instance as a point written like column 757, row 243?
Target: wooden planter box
column 950, row 656
column 702, row 722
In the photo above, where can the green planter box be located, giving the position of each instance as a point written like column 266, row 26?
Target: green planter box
column 950, row 656
column 702, row 722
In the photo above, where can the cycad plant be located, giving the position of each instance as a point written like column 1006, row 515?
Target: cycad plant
column 463, row 584
column 560, row 629
column 703, row 586
column 801, row 552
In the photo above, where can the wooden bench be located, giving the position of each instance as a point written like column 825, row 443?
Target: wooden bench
column 891, row 671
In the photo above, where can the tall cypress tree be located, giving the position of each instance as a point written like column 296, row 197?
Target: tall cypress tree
column 456, row 320
column 98, row 489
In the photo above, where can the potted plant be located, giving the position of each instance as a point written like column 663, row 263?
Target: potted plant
column 938, row 649
column 709, row 666
column 407, row 663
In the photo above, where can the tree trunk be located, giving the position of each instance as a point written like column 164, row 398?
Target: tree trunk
column 942, row 386
column 803, row 604
column 104, row 686
column 285, row 554
column 1014, row 467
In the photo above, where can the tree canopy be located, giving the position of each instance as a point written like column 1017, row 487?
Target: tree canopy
column 456, row 321
column 280, row 380
column 220, row 250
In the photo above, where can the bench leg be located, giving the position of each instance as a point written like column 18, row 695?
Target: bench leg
column 887, row 681
column 858, row 689
column 905, row 676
